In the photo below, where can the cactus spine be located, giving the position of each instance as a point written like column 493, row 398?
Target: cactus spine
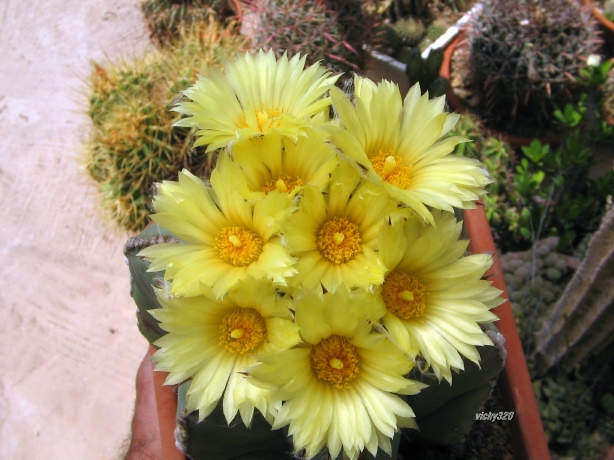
column 525, row 58
column 133, row 143
column 325, row 30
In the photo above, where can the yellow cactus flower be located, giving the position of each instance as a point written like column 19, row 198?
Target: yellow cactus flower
column 335, row 234
column 283, row 166
column 211, row 342
column 225, row 238
column 402, row 145
column 338, row 386
column 256, row 96
column 435, row 296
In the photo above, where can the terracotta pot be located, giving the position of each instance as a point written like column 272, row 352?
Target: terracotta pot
column 457, row 105
column 517, row 390
column 166, row 402
column 529, row 440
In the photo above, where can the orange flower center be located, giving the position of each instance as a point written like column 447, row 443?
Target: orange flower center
column 404, row 295
column 238, row 246
column 338, row 240
column 242, row 330
column 335, row 360
column 392, row 168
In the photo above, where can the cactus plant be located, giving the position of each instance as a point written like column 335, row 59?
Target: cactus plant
column 525, row 59
column 581, row 324
column 408, row 31
column 133, row 144
column 331, row 31
column 168, row 20
column 535, row 279
column 425, row 71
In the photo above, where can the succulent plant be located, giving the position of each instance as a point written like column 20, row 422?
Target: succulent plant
column 408, row 31
column 425, row 71
column 525, row 60
column 535, row 279
column 327, row 30
column 168, row 20
column 133, row 144
column 580, row 326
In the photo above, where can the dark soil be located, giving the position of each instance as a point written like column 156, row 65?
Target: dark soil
column 487, row 439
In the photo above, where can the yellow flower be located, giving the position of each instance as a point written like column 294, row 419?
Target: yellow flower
column 335, row 235
column 401, row 145
column 435, row 298
column 338, row 386
column 212, row 341
column 283, row 166
column 226, row 238
column 256, row 96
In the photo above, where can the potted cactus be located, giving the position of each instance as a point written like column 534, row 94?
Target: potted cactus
column 223, row 329
column 521, row 60
column 329, row 31
column 528, row 440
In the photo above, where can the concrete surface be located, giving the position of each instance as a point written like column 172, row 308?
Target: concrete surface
column 69, row 345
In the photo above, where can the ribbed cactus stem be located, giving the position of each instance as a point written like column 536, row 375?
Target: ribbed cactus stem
column 581, row 324
column 525, row 59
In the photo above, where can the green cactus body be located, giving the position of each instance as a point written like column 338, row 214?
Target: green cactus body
column 169, row 20
column 409, row 31
column 133, row 144
column 525, row 59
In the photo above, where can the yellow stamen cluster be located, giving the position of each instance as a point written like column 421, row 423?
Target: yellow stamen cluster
column 238, row 246
column 267, row 118
column 335, row 360
column 242, row 330
column 339, row 240
column 284, row 183
column 404, row 295
column 391, row 168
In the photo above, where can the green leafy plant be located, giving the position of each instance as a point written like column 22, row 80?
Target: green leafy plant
column 505, row 213
column 133, row 144
column 525, row 60
column 549, row 190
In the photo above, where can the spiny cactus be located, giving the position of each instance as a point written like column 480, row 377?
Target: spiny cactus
column 327, row 30
column 408, row 31
column 407, row 8
column 433, row 31
column 133, row 144
column 525, row 59
column 168, row 20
